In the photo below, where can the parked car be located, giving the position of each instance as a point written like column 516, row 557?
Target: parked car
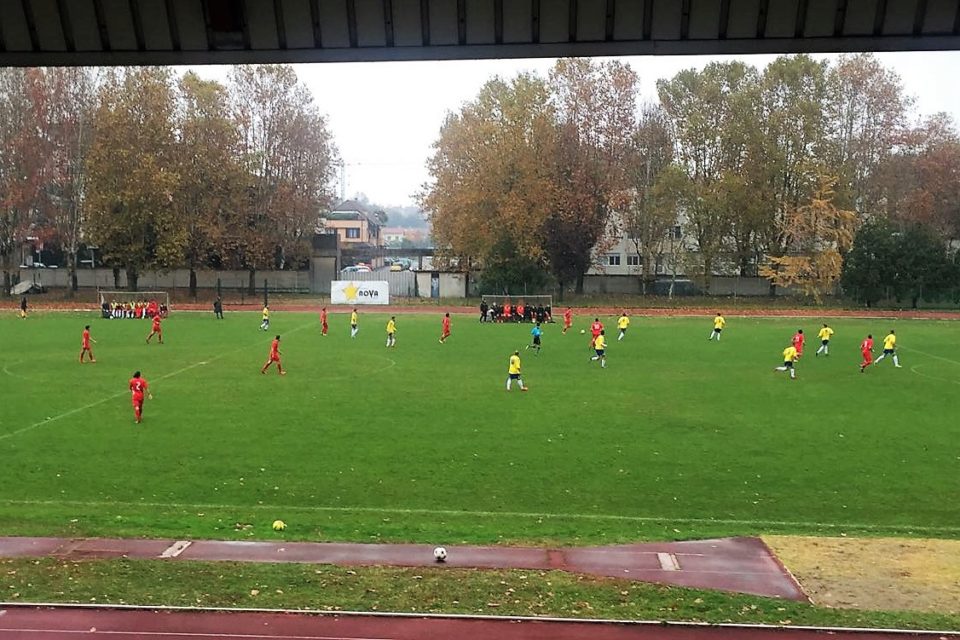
column 396, row 266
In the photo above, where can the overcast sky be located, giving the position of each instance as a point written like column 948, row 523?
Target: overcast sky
column 385, row 115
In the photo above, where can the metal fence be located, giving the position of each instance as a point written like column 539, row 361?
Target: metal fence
column 402, row 283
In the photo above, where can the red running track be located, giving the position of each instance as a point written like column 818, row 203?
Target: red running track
column 580, row 313
column 66, row 623
column 744, row 565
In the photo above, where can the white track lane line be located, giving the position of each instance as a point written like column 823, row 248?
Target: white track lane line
column 176, row 549
column 180, row 634
column 668, row 562
column 120, row 394
column 488, row 514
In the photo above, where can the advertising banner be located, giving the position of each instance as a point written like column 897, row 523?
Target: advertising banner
column 357, row 292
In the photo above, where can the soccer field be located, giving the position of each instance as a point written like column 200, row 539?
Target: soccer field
column 677, row 438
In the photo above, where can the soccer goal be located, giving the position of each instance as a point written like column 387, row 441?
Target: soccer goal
column 132, row 304
column 523, row 308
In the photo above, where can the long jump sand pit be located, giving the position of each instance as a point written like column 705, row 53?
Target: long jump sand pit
column 874, row 573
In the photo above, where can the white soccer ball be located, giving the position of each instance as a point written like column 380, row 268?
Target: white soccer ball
column 583, row 330
column 440, row 554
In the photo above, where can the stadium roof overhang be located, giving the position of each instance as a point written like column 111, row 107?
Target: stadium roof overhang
column 123, row 32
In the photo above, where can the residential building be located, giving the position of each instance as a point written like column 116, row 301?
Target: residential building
column 617, row 253
column 354, row 224
column 393, row 236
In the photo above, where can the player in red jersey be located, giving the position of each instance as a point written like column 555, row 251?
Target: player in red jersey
column 139, row 388
column 446, row 328
column 567, row 320
column 797, row 342
column 274, row 357
column 595, row 329
column 866, row 349
column 323, row 322
column 85, row 341
column 155, row 330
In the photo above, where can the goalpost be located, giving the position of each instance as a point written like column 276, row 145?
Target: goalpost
column 531, row 305
column 111, row 298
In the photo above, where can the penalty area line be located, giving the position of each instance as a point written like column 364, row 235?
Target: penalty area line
column 120, row 394
column 929, row 355
column 6, row 370
column 488, row 514
column 914, row 369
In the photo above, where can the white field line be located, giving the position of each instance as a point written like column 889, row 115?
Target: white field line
column 119, row 394
column 929, row 355
column 492, row 514
column 914, row 368
column 6, row 370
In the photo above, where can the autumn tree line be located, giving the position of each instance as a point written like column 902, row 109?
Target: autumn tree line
column 160, row 170
column 813, row 174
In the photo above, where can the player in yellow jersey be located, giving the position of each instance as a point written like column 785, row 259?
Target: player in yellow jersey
column 600, row 346
column 623, row 323
column 890, row 349
column 513, row 372
column 353, row 323
column 718, row 324
column 392, row 332
column 825, row 334
column 789, row 357
column 265, row 318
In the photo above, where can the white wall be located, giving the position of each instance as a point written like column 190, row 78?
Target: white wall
column 176, row 278
column 452, row 285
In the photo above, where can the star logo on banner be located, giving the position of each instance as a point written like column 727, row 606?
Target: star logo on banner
column 350, row 291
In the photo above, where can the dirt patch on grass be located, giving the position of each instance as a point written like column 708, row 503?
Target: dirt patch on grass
column 875, row 573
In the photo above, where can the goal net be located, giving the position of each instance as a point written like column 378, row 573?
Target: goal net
column 133, row 304
column 520, row 308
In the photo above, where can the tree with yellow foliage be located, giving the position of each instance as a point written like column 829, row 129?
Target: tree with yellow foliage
column 816, row 235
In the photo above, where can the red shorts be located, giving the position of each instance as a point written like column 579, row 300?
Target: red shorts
column 138, row 399
column 85, row 347
column 274, row 357
column 867, row 357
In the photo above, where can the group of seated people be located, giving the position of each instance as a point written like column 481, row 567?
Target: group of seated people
column 137, row 310
column 519, row 312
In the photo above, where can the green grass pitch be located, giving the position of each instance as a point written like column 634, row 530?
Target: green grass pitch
column 678, row 438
